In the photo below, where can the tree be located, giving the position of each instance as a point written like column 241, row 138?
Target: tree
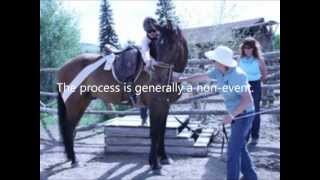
column 276, row 41
column 166, row 11
column 107, row 33
column 59, row 34
column 59, row 39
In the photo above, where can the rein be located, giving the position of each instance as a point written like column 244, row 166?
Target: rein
column 225, row 135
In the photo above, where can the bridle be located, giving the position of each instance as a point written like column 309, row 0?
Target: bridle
column 164, row 65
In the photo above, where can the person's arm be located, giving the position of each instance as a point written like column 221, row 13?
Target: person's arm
column 245, row 96
column 238, row 59
column 145, row 50
column 195, row 78
column 211, row 74
column 245, row 101
column 263, row 69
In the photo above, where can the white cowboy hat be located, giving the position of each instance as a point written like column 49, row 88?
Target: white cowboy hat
column 223, row 55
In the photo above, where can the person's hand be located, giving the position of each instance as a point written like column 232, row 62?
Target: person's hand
column 181, row 79
column 176, row 79
column 228, row 119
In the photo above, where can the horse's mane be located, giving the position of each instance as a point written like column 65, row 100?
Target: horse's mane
column 183, row 53
column 180, row 66
column 179, row 33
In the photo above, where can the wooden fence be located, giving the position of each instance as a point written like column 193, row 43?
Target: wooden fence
column 273, row 63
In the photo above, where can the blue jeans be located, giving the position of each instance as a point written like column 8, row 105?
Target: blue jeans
column 256, row 95
column 144, row 113
column 238, row 155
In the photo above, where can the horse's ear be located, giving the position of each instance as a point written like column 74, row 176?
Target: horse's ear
column 157, row 26
column 169, row 25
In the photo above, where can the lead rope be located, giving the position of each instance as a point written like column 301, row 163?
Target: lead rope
column 225, row 135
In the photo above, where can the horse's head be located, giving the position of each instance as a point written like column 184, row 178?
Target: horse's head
column 171, row 46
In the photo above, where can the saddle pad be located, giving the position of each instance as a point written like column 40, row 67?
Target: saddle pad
column 83, row 74
column 109, row 61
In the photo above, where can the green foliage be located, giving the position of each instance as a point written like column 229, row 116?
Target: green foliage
column 59, row 34
column 89, row 48
column 59, row 39
column 48, row 119
column 166, row 11
column 87, row 119
column 276, row 41
column 107, row 32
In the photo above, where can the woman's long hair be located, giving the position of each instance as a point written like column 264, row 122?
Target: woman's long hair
column 253, row 43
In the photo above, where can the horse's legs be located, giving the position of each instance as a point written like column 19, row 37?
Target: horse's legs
column 68, row 139
column 69, row 116
column 155, row 135
column 74, row 118
column 161, row 151
column 144, row 115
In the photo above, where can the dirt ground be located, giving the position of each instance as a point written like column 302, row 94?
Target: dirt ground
column 96, row 165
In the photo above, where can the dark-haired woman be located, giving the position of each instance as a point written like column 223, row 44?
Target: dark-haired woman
column 251, row 61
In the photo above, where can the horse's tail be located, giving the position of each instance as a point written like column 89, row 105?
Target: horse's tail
column 66, row 129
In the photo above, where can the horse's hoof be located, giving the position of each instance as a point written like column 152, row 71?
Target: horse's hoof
column 74, row 164
column 158, row 165
column 150, row 161
column 166, row 161
column 157, row 172
column 144, row 123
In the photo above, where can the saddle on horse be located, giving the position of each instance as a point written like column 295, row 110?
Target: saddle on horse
column 127, row 67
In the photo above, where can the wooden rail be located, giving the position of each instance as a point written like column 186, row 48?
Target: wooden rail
column 269, row 56
column 128, row 113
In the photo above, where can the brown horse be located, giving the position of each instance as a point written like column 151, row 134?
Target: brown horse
column 172, row 53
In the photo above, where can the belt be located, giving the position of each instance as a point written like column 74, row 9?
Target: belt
column 243, row 113
column 255, row 81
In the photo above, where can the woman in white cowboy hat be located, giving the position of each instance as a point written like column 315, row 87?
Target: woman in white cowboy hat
column 232, row 83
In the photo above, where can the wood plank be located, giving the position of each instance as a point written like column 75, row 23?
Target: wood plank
column 193, row 151
column 131, row 127
column 135, row 121
column 199, row 148
column 132, row 113
column 147, row 141
column 135, row 132
column 143, row 132
column 183, row 138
